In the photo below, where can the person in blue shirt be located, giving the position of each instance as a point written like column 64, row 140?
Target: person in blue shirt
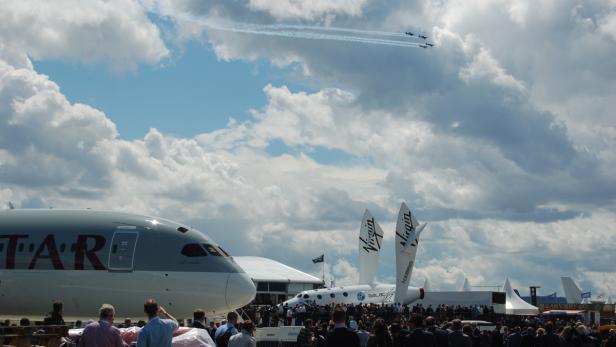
column 226, row 331
column 158, row 332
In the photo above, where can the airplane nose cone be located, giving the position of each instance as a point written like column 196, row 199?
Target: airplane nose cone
column 240, row 290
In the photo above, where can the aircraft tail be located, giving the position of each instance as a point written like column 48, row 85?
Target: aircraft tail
column 427, row 287
column 370, row 240
column 572, row 291
column 466, row 287
column 407, row 240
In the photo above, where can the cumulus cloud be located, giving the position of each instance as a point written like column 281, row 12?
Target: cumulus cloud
column 117, row 32
column 501, row 139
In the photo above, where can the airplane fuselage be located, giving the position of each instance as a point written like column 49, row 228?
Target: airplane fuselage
column 87, row 258
column 355, row 294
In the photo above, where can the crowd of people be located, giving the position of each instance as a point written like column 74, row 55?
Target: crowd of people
column 348, row 325
column 266, row 316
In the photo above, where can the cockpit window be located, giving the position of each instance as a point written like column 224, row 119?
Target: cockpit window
column 223, row 252
column 212, row 250
column 194, row 250
column 306, row 296
column 299, row 295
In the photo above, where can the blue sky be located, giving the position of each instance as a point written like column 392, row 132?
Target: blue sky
column 191, row 93
column 507, row 153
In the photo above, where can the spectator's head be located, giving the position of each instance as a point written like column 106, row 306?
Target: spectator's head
column 249, row 326
column 24, row 322
column 612, row 332
column 308, row 323
column 78, row 324
column 127, row 322
column 212, row 324
column 106, row 312
column 232, row 317
column 430, row 321
column 416, row 320
column 57, row 307
column 549, row 327
column 339, row 316
column 199, row 315
column 581, row 330
column 456, row 324
column 150, row 308
column 394, row 328
column 380, row 328
column 540, row 332
column 141, row 323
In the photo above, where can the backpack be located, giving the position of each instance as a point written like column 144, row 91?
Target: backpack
column 223, row 340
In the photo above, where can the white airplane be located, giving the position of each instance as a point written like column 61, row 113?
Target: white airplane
column 574, row 294
column 371, row 292
column 87, row 258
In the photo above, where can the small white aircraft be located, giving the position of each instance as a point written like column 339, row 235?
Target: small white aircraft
column 86, row 258
column 368, row 291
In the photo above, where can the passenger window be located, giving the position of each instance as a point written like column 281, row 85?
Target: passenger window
column 319, row 297
column 212, row 250
column 62, row 248
column 332, row 295
column 1, row 247
column 194, row 250
column 31, row 248
column 345, row 294
column 21, row 247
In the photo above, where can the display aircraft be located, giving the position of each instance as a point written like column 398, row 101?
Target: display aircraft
column 86, row 258
column 429, row 44
column 407, row 238
column 423, row 46
column 409, row 33
column 370, row 241
column 574, row 294
column 422, row 36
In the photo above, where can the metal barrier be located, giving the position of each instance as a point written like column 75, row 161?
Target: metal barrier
column 277, row 336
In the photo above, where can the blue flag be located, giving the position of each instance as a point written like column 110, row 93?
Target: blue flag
column 586, row 295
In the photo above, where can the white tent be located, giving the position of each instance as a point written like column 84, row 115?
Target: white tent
column 514, row 305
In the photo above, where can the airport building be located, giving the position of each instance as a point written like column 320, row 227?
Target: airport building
column 276, row 282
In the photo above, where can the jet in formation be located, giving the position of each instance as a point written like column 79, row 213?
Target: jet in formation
column 368, row 291
column 86, row 258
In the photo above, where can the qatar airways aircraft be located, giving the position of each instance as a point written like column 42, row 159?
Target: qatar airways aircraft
column 368, row 291
column 86, row 258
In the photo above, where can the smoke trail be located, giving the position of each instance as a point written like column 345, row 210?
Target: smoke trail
column 308, row 32
column 246, row 29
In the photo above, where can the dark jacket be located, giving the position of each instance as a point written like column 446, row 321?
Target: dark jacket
column 459, row 339
column 441, row 338
column 198, row 325
column 420, row 338
column 342, row 337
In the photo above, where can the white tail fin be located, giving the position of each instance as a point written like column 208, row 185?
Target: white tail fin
column 572, row 291
column 466, row 287
column 407, row 239
column 370, row 240
column 427, row 287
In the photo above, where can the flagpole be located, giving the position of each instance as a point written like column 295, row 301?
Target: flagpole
column 323, row 267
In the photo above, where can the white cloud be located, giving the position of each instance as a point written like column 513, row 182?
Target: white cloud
column 309, row 10
column 114, row 32
column 502, row 139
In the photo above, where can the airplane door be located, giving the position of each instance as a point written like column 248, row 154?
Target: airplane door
column 122, row 250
